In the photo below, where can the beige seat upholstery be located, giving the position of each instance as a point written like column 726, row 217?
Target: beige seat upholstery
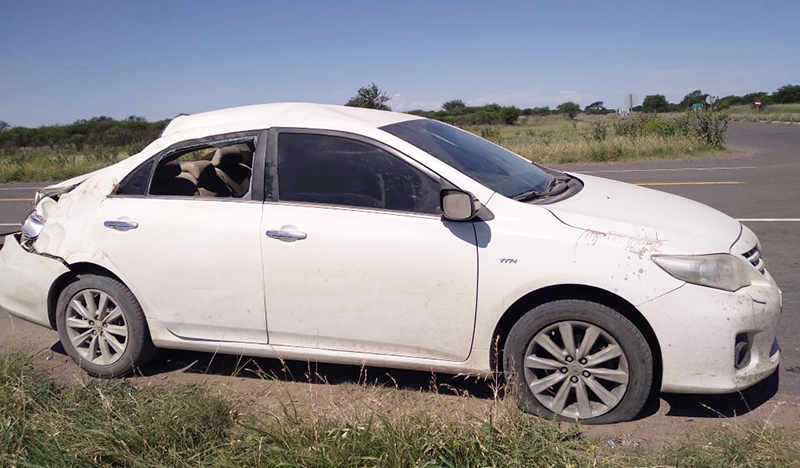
column 221, row 173
column 233, row 166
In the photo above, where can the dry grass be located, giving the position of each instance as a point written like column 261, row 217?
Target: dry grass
column 47, row 164
column 117, row 423
column 789, row 113
column 590, row 138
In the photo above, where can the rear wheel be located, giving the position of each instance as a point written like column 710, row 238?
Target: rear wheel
column 579, row 360
column 102, row 327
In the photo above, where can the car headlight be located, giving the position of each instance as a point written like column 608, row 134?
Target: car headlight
column 721, row 271
column 31, row 229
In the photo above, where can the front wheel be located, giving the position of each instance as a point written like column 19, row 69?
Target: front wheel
column 579, row 360
column 102, row 327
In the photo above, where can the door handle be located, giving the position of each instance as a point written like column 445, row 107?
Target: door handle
column 287, row 235
column 121, row 225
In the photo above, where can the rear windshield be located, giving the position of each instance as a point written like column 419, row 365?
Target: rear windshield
column 491, row 165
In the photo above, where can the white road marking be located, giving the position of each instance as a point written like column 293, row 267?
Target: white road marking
column 9, row 224
column 769, row 220
column 721, row 182
column 20, row 188
column 618, row 171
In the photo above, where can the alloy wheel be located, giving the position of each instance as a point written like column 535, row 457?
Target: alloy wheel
column 576, row 369
column 96, row 327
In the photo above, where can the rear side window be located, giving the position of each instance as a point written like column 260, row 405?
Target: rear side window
column 223, row 170
column 336, row 170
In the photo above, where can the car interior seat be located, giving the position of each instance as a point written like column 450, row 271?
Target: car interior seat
column 224, row 172
column 233, row 166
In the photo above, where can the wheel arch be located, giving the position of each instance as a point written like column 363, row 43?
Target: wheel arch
column 574, row 291
column 62, row 281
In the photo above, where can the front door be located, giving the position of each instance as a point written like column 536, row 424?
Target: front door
column 356, row 255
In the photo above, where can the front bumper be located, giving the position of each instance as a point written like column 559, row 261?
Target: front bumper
column 697, row 328
column 25, row 281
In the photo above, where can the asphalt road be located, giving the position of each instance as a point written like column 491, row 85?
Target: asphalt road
column 15, row 202
column 759, row 185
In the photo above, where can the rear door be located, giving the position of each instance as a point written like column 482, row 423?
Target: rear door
column 356, row 254
column 185, row 238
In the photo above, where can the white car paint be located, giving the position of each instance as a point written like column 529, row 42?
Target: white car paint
column 369, row 281
column 315, row 304
column 203, row 253
column 615, row 207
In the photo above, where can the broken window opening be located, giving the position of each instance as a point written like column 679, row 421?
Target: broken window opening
column 223, row 170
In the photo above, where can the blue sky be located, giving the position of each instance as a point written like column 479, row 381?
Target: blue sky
column 62, row 61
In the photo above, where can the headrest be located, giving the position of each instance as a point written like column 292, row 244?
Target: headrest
column 196, row 168
column 231, row 155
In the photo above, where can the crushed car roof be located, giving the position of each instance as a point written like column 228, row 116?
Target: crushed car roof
column 287, row 115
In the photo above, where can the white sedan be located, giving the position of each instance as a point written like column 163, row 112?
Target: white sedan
column 336, row 234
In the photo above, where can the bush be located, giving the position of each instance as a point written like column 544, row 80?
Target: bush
column 660, row 127
column 599, row 131
column 509, row 115
column 629, row 126
column 707, row 127
column 711, row 128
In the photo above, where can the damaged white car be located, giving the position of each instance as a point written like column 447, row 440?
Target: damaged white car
column 327, row 233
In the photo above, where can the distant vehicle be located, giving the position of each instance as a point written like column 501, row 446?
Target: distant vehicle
column 337, row 234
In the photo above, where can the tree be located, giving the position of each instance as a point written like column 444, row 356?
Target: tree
column 509, row 115
column 787, row 94
column 597, row 105
column 570, row 108
column 727, row 101
column 655, row 103
column 453, row 105
column 694, row 97
column 762, row 96
column 370, row 97
column 4, row 125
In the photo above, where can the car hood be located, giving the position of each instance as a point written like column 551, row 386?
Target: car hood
column 616, row 208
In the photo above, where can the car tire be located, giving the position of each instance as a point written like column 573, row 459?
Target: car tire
column 578, row 360
column 102, row 327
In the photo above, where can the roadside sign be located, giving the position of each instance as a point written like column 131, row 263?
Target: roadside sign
column 697, row 105
column 757, row 103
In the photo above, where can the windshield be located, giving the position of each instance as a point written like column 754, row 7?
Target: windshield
column 491, row 165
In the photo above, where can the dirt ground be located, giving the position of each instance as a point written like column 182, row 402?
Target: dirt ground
column 271, row 386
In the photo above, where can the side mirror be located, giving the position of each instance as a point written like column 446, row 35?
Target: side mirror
column 458, row 205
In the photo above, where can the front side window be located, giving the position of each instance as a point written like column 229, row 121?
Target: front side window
column 491, row 165
column 336, row 170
